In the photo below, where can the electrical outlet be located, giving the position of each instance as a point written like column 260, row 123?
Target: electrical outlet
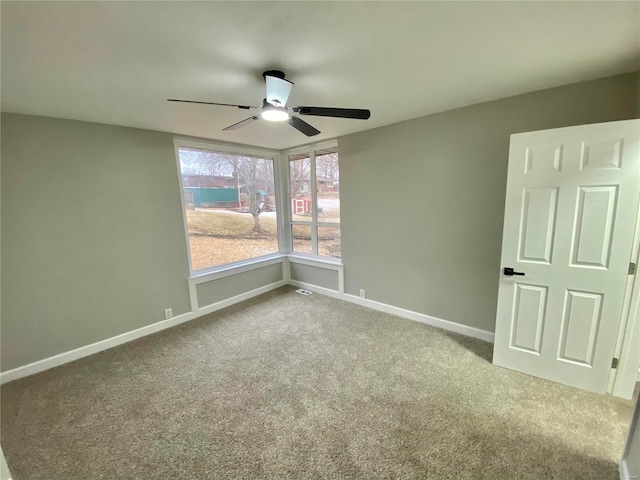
column 362, row 295
column 168, row 313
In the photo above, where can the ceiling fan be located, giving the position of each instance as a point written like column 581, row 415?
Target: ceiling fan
column 274, row 107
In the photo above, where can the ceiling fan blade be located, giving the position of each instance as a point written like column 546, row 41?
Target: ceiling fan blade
column 278, row 89
column 245, row 107
column 334, row 112
column 303, row 127
column 244, row 122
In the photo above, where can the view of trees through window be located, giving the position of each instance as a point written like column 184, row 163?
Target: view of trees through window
column 230, row 206
column 315, row 222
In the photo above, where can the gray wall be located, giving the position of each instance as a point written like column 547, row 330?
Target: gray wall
column 92, row 235
column 321, row 277
column 227, row 287
column 93, row 242
column 422, row 201
column 93, row 239
column 638, row 99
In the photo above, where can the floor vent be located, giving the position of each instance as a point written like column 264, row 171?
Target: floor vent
column 302, row 291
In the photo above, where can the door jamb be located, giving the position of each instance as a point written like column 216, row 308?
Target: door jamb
column 623, row 379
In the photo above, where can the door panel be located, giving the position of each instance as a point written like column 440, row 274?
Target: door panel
column 570, row 212
column 604, row 155
column 594, row 226
column 538, row 222
column 542, row 159
column 580, row 322
column 529, row 312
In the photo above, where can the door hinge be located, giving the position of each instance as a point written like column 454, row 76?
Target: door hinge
column 614, row 363
column 632, row 268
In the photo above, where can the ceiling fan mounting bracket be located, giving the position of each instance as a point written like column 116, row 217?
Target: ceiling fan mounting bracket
column 273, row 73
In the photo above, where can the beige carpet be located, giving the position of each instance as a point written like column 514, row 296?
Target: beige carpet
column 288, row 386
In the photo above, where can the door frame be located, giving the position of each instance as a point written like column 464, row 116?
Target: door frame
column 623, row 379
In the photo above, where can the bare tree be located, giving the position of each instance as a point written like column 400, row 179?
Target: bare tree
column 327, row 167
column 251, row 174
column 300, row 175
column 254, row 174
column 198, row 162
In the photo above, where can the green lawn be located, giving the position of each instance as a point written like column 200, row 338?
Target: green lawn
column 217, row 237
column 224, row 224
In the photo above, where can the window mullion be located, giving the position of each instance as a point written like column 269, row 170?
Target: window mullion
column 314, row 204
column 283, row 203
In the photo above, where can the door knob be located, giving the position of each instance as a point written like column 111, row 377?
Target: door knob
column 508, row 271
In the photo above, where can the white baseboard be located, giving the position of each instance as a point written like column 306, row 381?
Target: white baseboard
column 401, row 312
column 66, row 357
column 238, row 298
column 314, row 288
column 5, row 474
column 623, row 470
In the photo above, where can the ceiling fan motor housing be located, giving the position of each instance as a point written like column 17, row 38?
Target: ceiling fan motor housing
column 278, row 89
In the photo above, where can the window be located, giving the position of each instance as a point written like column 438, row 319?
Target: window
column 230, row 205
column 314, row 187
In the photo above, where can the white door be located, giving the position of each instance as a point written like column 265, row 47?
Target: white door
column 570, row 215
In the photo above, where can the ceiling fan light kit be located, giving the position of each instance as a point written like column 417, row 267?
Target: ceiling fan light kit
column 274, row 107
column 274, row 114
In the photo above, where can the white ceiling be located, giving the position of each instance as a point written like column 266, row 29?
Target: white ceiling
column 118, row 62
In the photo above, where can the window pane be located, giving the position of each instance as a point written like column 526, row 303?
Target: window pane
column 300, row 187
column 230, row 206
column 329, row 242
column 328, row 185
column 301, row 238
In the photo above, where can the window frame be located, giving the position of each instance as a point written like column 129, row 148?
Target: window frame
column 281, row 211
column 309, row 150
